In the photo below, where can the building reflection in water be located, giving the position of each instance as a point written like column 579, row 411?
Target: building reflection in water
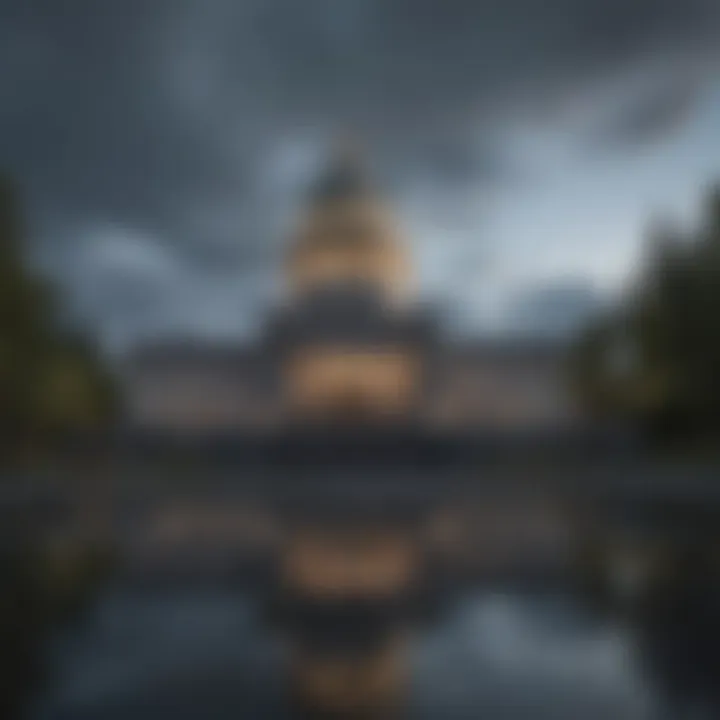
column 348, row 596
column 351, row 350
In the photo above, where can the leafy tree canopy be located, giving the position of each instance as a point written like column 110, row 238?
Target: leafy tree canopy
column 51, row 380
column 656, row 357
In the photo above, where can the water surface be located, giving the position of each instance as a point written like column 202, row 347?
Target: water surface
column 143, row 655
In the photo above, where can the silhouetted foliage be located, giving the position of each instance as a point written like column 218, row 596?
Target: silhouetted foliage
column 656, row 357
column 51, row 381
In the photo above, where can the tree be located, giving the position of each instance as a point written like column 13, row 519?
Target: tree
column 670, row 321
column 51, row 380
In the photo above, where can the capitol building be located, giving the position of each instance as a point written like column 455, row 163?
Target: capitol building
column 349, row 343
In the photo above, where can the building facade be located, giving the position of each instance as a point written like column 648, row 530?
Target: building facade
column 348, row 343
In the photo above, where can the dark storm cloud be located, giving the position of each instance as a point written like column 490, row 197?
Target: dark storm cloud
column 163, row 116
column 658, row 111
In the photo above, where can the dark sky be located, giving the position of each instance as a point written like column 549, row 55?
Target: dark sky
column 160, row 142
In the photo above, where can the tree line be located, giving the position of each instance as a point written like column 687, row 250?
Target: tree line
column 53, row 380
column 654, row 358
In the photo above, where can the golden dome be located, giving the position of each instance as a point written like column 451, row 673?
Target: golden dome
column 347, row 234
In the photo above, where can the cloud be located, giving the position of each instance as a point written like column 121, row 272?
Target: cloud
column 557, row 308
column 133, row 286
column 653, row 109
column 182, row 119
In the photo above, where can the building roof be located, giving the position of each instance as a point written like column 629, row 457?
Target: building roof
column 345, row 176
column 351, row 314
column 187, row 355
column 509, row 349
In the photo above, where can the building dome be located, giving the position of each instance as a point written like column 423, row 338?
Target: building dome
column 346, row 233
column 346, row 175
